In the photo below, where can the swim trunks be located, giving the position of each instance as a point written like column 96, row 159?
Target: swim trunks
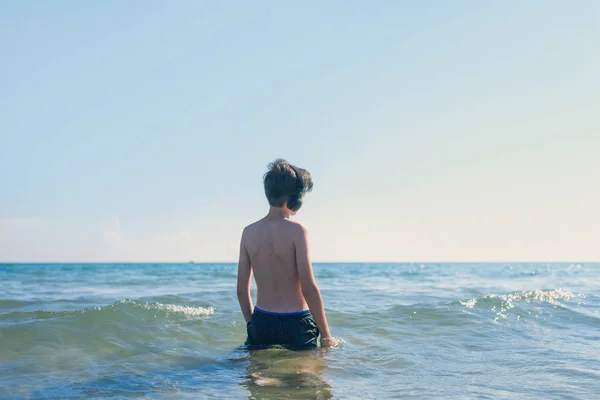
column 296, row 330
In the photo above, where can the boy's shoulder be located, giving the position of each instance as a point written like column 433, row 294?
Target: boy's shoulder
column 293, row 226
column 296, row 226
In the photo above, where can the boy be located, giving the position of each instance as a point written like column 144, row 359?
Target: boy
column 289, row 308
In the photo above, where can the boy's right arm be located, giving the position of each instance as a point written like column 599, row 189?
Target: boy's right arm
column 310, row 290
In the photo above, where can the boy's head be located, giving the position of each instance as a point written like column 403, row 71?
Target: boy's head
column 281, row 183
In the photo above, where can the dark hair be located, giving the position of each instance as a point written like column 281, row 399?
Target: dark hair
column 281, row 182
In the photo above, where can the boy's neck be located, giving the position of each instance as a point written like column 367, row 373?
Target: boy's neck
column 278, row 213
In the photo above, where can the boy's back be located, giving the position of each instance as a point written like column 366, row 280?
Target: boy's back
column 270, row 244
column 289, row 308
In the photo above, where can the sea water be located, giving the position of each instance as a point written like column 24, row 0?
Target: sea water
column 414, row 331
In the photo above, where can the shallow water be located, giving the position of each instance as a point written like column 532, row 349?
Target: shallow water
column 408, row 331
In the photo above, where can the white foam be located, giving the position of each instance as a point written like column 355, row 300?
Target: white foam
column 189, row 311
column 469, row 303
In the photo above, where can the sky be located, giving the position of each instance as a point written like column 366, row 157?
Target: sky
column 434, row 131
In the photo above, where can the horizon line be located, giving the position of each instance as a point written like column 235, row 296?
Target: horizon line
column 314, row 262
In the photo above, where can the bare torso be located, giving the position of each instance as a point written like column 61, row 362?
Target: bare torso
column 270, row 246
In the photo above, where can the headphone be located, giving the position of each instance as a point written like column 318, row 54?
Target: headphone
column 295, row 202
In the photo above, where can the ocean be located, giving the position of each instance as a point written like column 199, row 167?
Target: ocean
column 411, row 331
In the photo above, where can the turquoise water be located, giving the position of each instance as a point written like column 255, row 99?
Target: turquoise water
column 417, row 331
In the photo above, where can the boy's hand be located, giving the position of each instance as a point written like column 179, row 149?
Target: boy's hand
column 328, row 341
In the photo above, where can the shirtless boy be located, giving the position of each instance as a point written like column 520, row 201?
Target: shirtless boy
column 289, row 308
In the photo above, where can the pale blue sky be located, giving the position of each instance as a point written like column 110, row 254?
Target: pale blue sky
column 435, row 131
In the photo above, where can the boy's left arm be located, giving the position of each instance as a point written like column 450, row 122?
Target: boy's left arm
column 244, row 278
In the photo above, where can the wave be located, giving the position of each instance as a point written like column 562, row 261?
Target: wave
column 550, row 296
column 122, row 309
column 521, row 305
column 122, row 329
column 516, row 303
column 8, row 303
